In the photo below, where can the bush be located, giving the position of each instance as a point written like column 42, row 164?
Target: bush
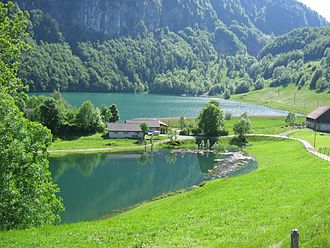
column 228, row 116
column 227, row 95
column 185, row 131
column 259, row 85
column 242, row 87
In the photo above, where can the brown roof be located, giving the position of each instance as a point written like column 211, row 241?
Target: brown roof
column 318, row 112
column 153, row 123
column 123, row 127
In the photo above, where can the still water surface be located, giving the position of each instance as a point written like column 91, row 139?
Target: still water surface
column 139, row 105
column 98, row 185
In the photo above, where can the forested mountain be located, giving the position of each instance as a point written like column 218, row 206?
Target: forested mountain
column 173, row 46
column 111, row 18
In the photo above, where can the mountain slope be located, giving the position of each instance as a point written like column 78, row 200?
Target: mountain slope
column 174, row 46
column 90, row 19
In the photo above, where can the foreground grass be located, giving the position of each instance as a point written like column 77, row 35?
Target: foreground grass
column 288, row 98
column 322, row 139
column 254, row 210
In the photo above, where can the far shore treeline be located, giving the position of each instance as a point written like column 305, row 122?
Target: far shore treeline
column 67, row 121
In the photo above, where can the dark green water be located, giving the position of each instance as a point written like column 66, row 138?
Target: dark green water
column 135, row 105
column 97, row 185
column 93, row 186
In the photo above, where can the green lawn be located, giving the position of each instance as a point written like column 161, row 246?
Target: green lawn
column 322, row 139
column 260, row 125
column 265, row 125
column 96, row 141
column 288, row 98
column 255, row 210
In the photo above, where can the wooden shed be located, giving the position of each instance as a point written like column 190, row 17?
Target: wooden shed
column 319, row 119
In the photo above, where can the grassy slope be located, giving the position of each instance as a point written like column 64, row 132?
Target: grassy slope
column 254, row 210
column 283, row 98
column 322, row 139
column 260, row 125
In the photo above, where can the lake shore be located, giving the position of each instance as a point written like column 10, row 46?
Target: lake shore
column 97, row 144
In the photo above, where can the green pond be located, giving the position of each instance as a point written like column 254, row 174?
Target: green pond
column 98, row 185
column 139, row 105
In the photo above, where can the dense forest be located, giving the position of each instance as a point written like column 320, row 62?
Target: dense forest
column 205, row 54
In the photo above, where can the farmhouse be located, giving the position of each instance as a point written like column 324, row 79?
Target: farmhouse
column 154, row 125
column 124, row 131
column 319, row 119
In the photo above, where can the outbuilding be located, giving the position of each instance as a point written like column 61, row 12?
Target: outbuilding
column 154, row 125
column 319, row 119
column 124, row 131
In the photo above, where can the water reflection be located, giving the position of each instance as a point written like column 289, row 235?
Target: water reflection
column 97, row 185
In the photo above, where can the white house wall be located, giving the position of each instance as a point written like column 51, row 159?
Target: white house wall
column 125, row 135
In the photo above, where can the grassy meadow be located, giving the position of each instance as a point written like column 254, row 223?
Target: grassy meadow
column 260, row 124
column 287, row 98
column 322, row 141
column 254, row 210
column 97, row 141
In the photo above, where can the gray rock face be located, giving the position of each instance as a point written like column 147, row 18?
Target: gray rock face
column 121, row 17
column 112, row 18
column 116, row 17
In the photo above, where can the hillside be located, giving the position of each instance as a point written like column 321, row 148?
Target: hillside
column 174, row 47
column 288, row 98
column 112, row 18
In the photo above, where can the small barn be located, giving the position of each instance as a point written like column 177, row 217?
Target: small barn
column 319, row 119
column 124, row 131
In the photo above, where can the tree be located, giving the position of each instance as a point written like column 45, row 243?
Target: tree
column 89, row 118
column 106, row 113
column 182, row 122
column 115, row 113
column 211, row 120
column 45, row 28
column 13, row 26
column 315, row 76
column 290, row 119
column 27, row 194
column 144, row 127
column 52, row 115
column 228, row 116
column 259, row 84
column 241, row 128
column 227, row 94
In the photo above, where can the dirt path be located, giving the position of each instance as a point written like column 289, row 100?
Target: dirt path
column 287, row 134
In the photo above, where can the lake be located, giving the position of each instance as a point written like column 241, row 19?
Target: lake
column 140, row 105
column 98, row 185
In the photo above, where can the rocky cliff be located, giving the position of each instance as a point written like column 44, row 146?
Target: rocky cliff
column 83, row 19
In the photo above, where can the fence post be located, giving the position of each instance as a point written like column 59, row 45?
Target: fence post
column 294, row 238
